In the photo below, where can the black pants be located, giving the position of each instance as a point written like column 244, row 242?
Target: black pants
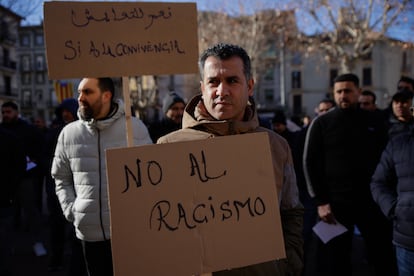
column 57, row 223
column 334, row 258
column 98, row 258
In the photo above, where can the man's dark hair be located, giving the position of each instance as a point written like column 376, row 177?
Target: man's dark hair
column 402, row 96
column 369, row 93
column 107, row 84
column 328, row 101
column 407, row 79
column 225, row 51
column 10, row 104
column 348, row 77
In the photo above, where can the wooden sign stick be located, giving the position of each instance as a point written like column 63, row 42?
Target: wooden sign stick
column 127, row 105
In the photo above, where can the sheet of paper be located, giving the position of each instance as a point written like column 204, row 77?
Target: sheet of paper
column 30, row 164
column 326, row 231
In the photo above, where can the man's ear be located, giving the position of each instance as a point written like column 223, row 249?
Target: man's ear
column 107, row 96
column 201, row 86
column 250, row 85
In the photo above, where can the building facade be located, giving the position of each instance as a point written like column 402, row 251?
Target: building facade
column 9, row 23
column 294, row 81
column 37, row 96
column 310, row 79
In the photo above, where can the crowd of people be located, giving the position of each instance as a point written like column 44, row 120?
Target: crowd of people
column 349, row 165
column 347, row 174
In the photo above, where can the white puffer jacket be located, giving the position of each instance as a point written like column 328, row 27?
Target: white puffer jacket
column 79, row 170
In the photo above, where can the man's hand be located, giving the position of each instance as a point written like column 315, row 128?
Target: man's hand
column 325, row 213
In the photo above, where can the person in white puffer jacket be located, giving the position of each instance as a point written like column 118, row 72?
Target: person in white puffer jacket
column 79, row 167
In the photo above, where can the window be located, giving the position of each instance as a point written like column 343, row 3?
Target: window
column 39, row 95
column 4, row 29
column 25, row 40
column 367, row 76
column 39, row 39
column 26, row 78
column 52, row 98
column 40, row 63
column 6, row 57
column 296, row 80
column 333, row 73
column 270, row 74
column 297, row 104
column 27, row 98
column 7, row 85
column 26, row 63
column 269, row 96
column 40, row 78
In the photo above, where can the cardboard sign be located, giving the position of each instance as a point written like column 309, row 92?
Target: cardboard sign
column 193, row 207
column 113, row 39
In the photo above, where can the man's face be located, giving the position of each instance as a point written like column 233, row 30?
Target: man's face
column 401, row 110
column 367, row 102
column 324, row 107
column 279, row 127
column 405, row 85
column 67, row 116
column 91, row 99
column 9, row 114
column 225, row 89
column 346, row 94
column 40, row 123
column 175, row 112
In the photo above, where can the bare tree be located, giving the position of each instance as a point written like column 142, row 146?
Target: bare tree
column 348, row 30
column 258, row 32
column 264, row 30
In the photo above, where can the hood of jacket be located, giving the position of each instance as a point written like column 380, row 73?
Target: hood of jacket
column 117, row 111
column 196, row 117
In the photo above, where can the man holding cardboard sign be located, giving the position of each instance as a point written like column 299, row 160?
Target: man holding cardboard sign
column 79, row 168
column 226, row 107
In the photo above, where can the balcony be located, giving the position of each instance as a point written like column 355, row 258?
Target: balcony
column 8, row 64
column 8, row 39
column 7, row 91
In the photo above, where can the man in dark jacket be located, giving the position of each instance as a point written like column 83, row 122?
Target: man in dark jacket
column 32, row 141
column 401, row 119
column 392, row 189
column 12, row 167
column 279, row 125
column 406, row 83
column 173, row 109
column 342, row 149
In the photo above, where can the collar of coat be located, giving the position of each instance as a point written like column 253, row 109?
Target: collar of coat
column 196, row 116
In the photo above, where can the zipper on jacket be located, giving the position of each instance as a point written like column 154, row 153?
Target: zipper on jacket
column 100, row 185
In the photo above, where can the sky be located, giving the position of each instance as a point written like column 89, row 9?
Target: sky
column 404, row 31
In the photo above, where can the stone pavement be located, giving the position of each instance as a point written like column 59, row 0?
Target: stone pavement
column 26, row 263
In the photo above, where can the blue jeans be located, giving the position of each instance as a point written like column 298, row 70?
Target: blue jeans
column 405, row 261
